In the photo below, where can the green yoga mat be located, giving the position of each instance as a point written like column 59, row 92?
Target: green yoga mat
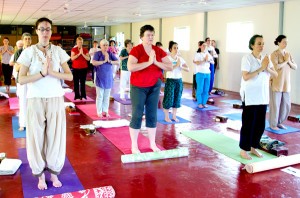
column 224, row 145
column 90, row 83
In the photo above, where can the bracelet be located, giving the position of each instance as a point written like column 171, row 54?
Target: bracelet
column 42, row 74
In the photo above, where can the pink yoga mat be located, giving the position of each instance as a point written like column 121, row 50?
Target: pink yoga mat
column 120, row 137
column 71, row 95
column 13, row 103
column 90, row 110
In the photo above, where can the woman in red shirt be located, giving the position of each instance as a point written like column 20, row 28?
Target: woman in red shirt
column 145, row 63
column 79, row 56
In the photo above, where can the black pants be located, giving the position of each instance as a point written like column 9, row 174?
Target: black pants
column 79, row 76
column 7, row 72
column 194, row 86
column 253, row 126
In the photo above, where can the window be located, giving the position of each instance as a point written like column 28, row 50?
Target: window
column 238, row 36
column 182, row 37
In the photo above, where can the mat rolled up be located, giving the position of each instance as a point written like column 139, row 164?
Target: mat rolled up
column 150, row 156
column 273, row 163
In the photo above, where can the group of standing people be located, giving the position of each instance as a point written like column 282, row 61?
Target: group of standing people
column 265, row 80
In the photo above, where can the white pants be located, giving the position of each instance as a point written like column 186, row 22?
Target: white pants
column 115, row 68
column 46, row 134
column 124, row 83
column 102, row 100
column 21, row 93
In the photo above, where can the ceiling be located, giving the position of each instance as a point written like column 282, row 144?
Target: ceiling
column 108, row 12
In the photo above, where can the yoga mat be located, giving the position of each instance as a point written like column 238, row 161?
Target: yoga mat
column 118, row 99
column 273, row 163
column 12, row 89
column 90, row 83
column 100, row 192
column 67, row 176
column 15, row 127
column 234, row 116
column 288, row 129
column 13, row 103
column 120, row 137
column 90, row 110
column 2, row 94
column 224, row 145
column 166, row 154
column 71, row 95
column 232, row 101
column 161, row 118
column 193, row 104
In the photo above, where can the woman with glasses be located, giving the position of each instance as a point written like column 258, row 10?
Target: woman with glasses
column 79, row 56
column 145, row 63
column 256, row 71
column 46, row 119
column 174, row 86
column 280, row 102
column 103, row 62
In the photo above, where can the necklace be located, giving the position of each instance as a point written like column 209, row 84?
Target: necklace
column 44, row 46
column 46, row 55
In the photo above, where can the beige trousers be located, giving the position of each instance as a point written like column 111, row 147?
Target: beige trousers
column 46, row 134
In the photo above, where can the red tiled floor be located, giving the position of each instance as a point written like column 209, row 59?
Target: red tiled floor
column 204, row 173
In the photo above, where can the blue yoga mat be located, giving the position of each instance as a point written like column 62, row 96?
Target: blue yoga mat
column 67, row 176
column 193, row 104
column 234, row 116
column 238, row 116
column 161, row 118
column 118, row 99
column 13, row 89
column 15, row 127
column 232, row 101
column 281, row 131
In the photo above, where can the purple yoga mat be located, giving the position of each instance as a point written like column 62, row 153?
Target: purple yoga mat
column 67, row 176
column 13, row 103
column 117, row 98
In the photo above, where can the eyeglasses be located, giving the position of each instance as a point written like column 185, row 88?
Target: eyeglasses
column 44, row 29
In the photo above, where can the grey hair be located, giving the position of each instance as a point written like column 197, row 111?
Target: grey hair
column 26, row 34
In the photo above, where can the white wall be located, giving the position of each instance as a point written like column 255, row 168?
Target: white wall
column 292, row 31
column 196, row 24
column 266, row 22
column 125, row 28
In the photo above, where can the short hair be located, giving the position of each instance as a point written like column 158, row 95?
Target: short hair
column 5, row 38
column 279, row 39
column 18, row 42
column 158, row 44
column 40, row 20
column 79, row 38
column 112, row 41
column 26, row 34
column 207, row 39
column 95, row 42
column 103, row 41
column 252, row 40
column 146, row 28
column 171, row 43
column 126, row 42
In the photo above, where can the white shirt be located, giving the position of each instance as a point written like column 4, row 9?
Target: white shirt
column 48, row 86
column 92, row 52
column 255, row 91
column 212, row 50
column 203, row 67
column 175, row 73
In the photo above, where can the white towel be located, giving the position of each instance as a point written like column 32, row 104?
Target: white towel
column 9, row 166
column 111, row 123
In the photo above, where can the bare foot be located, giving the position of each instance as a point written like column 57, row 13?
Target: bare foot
column 175, row 119
column 55, row 181
column 42, row 183
column 274, row 128
column 200, row 106
column 205, row 106
column 281, row 126
column 100, row 115
column 105, row 114
column 168, row 120
column 255, row 152
column 123, row 99
column 21, row 129
column 154, row 148
column 135, row 150
column 245, row 155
